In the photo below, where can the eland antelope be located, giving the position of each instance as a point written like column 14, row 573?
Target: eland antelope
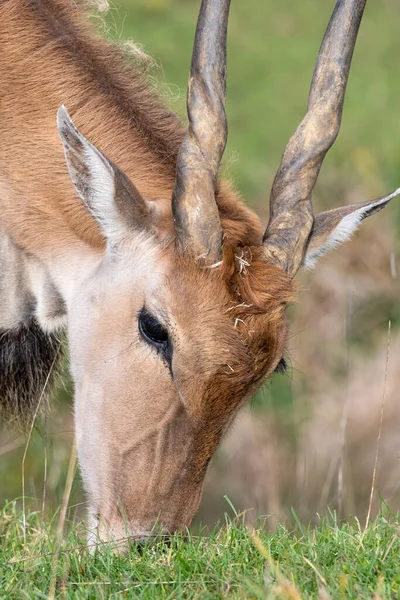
column 171, row 293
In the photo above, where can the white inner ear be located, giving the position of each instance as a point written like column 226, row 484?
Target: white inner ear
column 102, row 193
column 95, row 185
column 343, row 230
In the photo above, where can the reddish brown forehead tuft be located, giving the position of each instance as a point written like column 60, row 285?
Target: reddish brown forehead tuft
column 230, row 325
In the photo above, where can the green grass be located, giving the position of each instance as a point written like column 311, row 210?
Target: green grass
column 330, row 561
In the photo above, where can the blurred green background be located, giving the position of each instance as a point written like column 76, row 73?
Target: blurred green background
column 308, row 440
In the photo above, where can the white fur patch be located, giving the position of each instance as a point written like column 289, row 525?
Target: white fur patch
column 14, row 289
column 50, row 309
column 26, row 286
column 344, row 230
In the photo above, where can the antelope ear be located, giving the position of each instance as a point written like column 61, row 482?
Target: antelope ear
column 333, row 227
column 105, row 190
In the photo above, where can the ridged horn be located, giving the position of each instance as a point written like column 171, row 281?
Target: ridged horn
column 195, row 212
column 291, row 213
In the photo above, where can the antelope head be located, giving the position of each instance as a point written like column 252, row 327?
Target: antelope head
column 170, row 333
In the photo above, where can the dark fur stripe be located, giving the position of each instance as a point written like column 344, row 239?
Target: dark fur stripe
column 29, row 358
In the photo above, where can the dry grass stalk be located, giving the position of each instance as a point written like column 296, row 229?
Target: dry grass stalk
column 62, row 518
column 284, row 588
column 344, row 419
column 28, row 442
column 379, row 432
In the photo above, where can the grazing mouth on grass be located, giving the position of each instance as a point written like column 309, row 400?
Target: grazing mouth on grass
column 136, row 544
column 123, row 535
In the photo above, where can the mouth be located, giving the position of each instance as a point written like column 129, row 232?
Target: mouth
column 120, row 543
column 123, row 536
column 134, row 544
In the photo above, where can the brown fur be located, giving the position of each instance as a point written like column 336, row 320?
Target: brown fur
column 144, row 433
column 224, row 349
column 118, row 111
column 252, row 296
column 50, row 57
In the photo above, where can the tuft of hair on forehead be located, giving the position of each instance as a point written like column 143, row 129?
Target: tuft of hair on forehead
column 260, row 292
column 239, row 304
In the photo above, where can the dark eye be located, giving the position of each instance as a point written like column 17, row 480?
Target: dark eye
column 281, row 366
column 152, row 331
